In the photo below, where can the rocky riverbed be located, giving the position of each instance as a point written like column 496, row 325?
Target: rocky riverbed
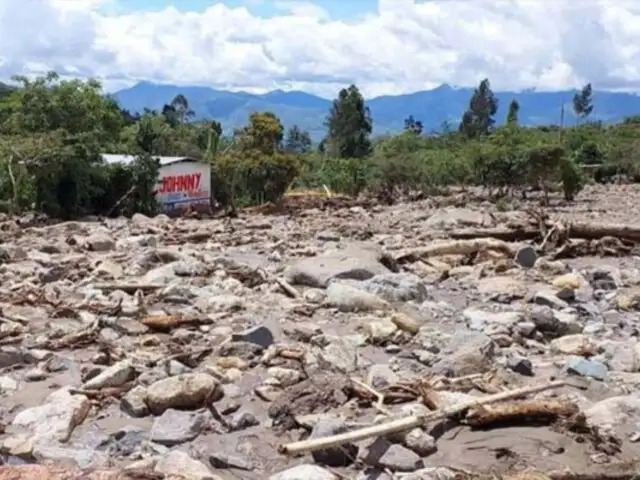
column 198, row 349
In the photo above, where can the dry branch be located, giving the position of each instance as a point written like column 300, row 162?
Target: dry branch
column 73, row 339
column 527, row 410
column 576, row 230
column 128, row 287
column 456, row 247
column 500, row 233
column 167, row 322
column 404, row 424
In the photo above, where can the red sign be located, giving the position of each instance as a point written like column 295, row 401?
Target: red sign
column 180, row 183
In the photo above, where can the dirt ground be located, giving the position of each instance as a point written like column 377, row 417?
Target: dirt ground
column 199, row 348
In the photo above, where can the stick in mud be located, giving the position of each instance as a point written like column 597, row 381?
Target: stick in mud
column 404, row 424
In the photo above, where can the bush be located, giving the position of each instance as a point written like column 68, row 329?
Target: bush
column 341, row 175
column 253, row 178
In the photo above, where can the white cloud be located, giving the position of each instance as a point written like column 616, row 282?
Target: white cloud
column 404, row 46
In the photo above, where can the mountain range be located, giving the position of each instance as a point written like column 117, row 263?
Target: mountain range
column 431, row 107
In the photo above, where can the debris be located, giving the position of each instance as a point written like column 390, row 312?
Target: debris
column 408, row 423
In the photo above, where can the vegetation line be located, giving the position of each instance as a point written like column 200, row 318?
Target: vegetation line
column 52, row 135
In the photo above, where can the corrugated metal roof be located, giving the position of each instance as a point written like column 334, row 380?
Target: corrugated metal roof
column 127, row 159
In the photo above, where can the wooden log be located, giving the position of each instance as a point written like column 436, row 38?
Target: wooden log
column 455, row 247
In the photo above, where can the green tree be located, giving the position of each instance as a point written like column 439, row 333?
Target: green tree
column 512, row 115
column 479, row 119
column 412, row 125
column 263, row 134
column 583, row 102
column 170, row 115
column 297, row 141
column 52, row 134
column 259, row 170
column 180, row 105
column 349, row 125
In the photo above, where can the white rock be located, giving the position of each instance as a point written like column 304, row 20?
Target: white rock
column 304, row 472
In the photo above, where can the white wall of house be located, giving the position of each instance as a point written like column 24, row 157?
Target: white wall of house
column 184, row 183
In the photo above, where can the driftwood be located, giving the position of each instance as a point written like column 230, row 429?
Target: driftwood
column 536, row 411
column 455, row 247
column 577, row 230
column 404, row 424
column 128, row 287
column 626, row 472
column 72, row 340
column 168, row 322
column 283, row 284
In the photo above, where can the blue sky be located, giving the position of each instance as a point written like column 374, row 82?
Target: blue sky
column 337, row 9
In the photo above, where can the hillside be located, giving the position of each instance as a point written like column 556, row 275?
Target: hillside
column 432, row 107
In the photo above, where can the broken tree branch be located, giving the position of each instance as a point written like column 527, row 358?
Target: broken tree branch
column 546, row 410
column 575, row 230
column 128, row 287
column 455, row 247
column 404, row 424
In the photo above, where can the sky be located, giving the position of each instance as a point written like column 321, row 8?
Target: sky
column 385, row 47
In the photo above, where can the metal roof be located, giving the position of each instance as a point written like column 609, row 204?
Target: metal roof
column 127, row 159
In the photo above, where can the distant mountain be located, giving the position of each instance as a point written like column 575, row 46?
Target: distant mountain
column 5, row 89
column 432, row 107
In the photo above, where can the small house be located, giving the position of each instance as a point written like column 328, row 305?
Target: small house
column 182, row 181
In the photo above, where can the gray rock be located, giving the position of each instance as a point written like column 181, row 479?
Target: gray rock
column 221, row 303
column 432, row 473
column 481, row 320
column 304, row 472
column 420, row 442
column 339, row 355
column 182, row 391
column 526, row 256
column 45, row 452
column 8, row 384
column 180, row 465
column 126, row 441
column 177, row 426
column 10, row 356
column 314, row 295
column 243, row 419
column 162, row 275
column 622, row 356
column 550, row 299
column 134, row 402
column 397, row 287
column 35, row 375
column 56, row 418
column 224, row 460
column 615, row 412
column 340, row 456
column 586, row 367
column 99, row 242
column 604, row 278
column 457, row 217
column 356, row 262
column 373, row 474
column 519, row 364
column 384, row 454
column 129, row 326
column 381, row 376
column 114, row 376
column 259, row 335
column 190, row 268
column 471, row 352
column 173, row 368
column 347, row 298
